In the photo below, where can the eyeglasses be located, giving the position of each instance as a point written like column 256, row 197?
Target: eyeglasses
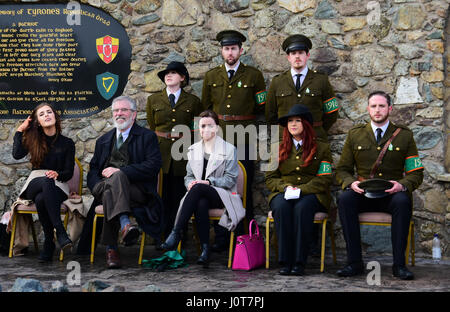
column 123, row 110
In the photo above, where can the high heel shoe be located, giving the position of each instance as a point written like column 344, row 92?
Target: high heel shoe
column 204, row 257
column 172, row 241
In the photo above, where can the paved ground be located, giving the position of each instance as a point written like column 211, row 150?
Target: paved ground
column 217, row 278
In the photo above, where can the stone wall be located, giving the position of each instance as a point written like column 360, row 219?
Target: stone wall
column 400, row 46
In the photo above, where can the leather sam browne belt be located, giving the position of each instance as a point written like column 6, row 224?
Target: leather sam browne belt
column 236, row 117
column 168, row 135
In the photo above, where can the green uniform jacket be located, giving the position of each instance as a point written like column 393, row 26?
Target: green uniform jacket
column 244, row 95
column 162, row 117
column 316, row 93
column 314, row 179
column 400, row 163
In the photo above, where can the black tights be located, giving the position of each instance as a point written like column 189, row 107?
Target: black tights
column 48, row 199
column 198, row 201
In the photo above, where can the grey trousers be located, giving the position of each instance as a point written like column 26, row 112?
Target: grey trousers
column 118, row 196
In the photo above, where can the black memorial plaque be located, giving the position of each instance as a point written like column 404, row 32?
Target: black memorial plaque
column 75, row 57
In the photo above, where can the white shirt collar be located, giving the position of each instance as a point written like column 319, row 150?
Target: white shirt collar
column 302, row 77
column 235, row 67
column 177, row 94
column 297, row 142
column 383, row 128
column 124, row 134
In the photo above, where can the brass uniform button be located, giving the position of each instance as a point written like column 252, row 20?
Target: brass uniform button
column 359, row 147
column 173, row 120
column 380, row 174
column 214, row 85
column 187, row 111
column 397, row 148
column 173, row 140
column 173, row 110
column 378, row 148
column 228, row 106
column 298, row 179
column 297, row 157
column 230, row 86
column 299, row 95
column 229, row 96
column 298, row 168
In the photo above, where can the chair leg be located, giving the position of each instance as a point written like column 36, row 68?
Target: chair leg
column 267, row 242
column 13, row 234
column 413, row 246
column 66, row 221
column 230, row 253
column 322, row 251
column 141, row 249
column 408, row 242
column 94, row 232
column 33, row 232
column 333, row 242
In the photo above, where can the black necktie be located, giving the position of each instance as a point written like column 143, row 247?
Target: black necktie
column 172, row 100
column 231, row 72
column 297, row 83
column 378, row 135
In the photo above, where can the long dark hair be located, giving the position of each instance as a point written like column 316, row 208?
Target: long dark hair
column 309, row 144
column 34, row 137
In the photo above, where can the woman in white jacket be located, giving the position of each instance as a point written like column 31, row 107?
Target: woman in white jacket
column 211, row 183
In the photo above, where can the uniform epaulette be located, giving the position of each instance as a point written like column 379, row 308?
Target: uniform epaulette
column 357, row 126
column 401, row 126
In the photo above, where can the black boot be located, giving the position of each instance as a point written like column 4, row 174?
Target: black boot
column 204, row 257
column 172, row 241
column 47, row 254
column 64, row 240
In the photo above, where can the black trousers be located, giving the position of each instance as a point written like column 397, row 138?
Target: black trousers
column 198, row 201
column 48, row 199
column 350, row 204
column 173, row 192
column 294, row 223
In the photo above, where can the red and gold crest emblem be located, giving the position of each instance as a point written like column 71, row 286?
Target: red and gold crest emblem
column 107, row 48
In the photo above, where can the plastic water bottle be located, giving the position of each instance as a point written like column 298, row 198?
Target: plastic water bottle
column 436, row 249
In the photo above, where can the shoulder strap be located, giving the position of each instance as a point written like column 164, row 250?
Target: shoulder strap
column 382, row 153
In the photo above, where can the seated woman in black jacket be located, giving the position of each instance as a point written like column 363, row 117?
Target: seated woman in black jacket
column 52, row 157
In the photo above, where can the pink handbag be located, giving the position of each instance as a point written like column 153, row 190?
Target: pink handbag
column 250, row 251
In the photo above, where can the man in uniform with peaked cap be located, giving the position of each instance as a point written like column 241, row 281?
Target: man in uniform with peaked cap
column 300, row 85
column 237, row 93
column 383, row 150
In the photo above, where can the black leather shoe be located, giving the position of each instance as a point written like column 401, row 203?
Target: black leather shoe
column 64, row 241
column 47, row 254
column 204, row 257
column 130, row 235
column 351, row 270
column 285, row 270
column 298, row 270
column 402, row 273
column 172, row 241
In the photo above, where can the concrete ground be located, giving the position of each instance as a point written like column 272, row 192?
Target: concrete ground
column 429, row 277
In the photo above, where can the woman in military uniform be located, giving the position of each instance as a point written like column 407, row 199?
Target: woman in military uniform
column 170, row 107
column 299, row 188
